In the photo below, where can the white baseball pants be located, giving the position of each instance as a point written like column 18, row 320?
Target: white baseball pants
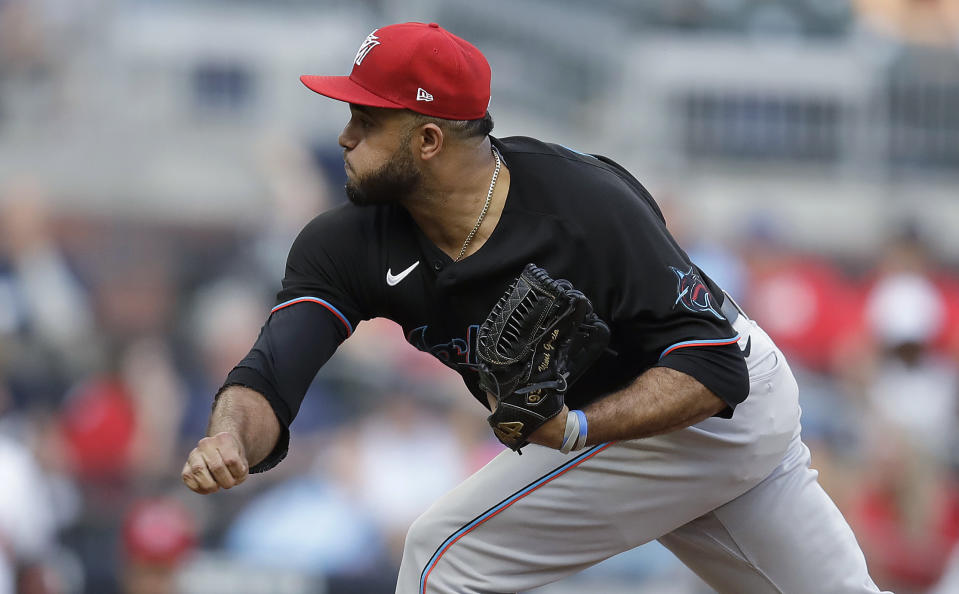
column 734, row 499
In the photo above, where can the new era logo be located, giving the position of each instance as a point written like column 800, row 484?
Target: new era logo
column 422, row 95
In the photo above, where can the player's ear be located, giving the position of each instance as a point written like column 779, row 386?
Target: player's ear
column 429, row 141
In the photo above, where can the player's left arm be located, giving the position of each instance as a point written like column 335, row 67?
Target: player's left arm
column 662, row 311
column 661, row 400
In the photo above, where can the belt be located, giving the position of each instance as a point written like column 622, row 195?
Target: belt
column 731, row 309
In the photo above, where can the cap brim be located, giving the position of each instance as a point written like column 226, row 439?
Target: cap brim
column 343, row 88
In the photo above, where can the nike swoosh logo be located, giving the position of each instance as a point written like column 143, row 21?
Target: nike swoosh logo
column 748, row 348
column 395, row 280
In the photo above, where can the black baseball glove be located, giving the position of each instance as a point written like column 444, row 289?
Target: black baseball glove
column 538, row 339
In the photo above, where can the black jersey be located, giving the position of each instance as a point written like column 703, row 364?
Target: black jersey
column 581, row 217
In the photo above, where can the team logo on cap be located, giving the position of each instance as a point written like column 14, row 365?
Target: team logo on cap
column 369, row 43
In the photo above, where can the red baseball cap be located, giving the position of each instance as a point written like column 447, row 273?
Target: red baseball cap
column 158, row 531
column 416, row 66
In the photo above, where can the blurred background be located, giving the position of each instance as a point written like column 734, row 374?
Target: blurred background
column 157, row 157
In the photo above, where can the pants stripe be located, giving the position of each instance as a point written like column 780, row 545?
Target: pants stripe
column 482, row 518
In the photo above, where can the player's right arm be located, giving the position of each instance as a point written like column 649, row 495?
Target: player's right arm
column 320, row 304
column 243, row 430
column 248, row 430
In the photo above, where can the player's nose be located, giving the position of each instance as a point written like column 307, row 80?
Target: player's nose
column 345, row 140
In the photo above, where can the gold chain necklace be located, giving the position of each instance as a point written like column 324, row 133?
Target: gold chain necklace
column 489, row 198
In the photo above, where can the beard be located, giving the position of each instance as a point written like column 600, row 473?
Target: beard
column 395, row 181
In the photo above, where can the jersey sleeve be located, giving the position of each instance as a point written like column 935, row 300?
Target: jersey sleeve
column 326, row 267
column 321, row 301
column 292, row 346
column 662, row 306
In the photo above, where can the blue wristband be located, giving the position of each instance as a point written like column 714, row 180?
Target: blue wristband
column 581, row 441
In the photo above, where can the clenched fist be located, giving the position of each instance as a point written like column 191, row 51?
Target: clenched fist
column 217, row 461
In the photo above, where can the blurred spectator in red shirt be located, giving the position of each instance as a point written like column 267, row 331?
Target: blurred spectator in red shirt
column 98, row 425
column 906, row 515
column 803, row 302
column 159, row 534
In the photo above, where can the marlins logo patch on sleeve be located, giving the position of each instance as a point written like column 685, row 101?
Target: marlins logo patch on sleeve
column 693, row 294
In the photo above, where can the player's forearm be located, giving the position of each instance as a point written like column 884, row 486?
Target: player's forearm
column 659, row 401
column 247, row 415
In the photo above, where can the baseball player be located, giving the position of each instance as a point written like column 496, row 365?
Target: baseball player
column 683, row 426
